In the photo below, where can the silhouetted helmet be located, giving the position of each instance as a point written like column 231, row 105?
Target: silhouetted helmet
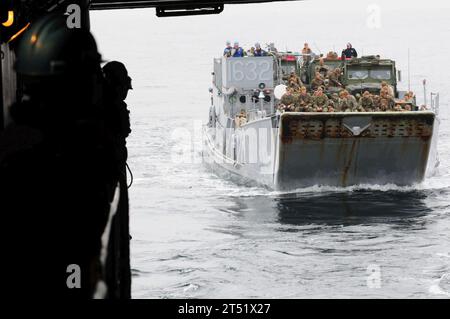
column 50, row 48
column 116, row 73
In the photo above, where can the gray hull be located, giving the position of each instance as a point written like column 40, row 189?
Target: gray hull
column 334, row 149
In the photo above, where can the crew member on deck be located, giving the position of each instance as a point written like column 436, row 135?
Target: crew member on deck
column 237, row 51
column 227, row 50
column 349, row 53
column 259, row 51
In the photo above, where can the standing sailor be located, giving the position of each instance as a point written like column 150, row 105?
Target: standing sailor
column 349, row 52
column 306, row 53
column 237, row 51
column 259, row 51
column 227, row 50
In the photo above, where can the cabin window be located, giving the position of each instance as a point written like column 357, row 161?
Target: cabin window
column 288, row 68
column 357, row 74
column 381, row 74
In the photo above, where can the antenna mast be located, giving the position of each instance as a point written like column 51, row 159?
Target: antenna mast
column 409, row 72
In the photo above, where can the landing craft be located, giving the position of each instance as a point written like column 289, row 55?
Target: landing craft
column 248, row 138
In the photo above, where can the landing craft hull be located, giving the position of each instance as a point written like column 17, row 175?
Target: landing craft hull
column 337, row 149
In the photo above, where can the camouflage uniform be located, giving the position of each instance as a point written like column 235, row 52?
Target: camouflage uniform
column 386, row 103
column 367, row 104
column 319, row 102
column 333, row 79
column 331, row 106
column 334, row 102
column 398, row 108
column 376, row 103
column 295, row 95
column 295, row 78
column 303, row 100
column 316, row 83
column 287, row 99
column 387, row 88
column 322, row 69
column 294, row 85
column 347, row 104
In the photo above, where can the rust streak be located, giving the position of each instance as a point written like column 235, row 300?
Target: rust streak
column 348, row 164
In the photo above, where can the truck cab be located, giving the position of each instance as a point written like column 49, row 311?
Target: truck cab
column 367, row 73
column 288, row 62
column 309, row 70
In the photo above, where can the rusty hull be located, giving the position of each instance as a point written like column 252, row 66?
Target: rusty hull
column 342, row 149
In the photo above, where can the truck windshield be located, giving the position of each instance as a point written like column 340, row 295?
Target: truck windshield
column 381, row 74
column 357, row 74
column 288, row 68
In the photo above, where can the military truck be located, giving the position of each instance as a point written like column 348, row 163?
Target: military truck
column 367, row 73
column 308, row 70
column 358, row 74
column 287, row 63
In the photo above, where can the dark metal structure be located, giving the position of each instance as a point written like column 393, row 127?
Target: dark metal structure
column 167, row 8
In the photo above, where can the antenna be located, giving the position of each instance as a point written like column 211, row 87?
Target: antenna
column 317, row 48
column 409, row 72
column 424, row 82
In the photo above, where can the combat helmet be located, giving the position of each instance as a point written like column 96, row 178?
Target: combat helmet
column 49, row 48
column 117, row 79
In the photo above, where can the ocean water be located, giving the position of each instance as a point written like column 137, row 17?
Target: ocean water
column 197, row 235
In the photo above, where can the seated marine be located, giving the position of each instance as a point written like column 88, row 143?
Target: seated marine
column 347, row 102
column 287, row 101
column 398, row 108
column 366, row 102
column 317, row 82
column 408, row 97
column 322, row 68
column 331, row 107
column 294, row 82
column 319, row 100
column 332, row 56
column 303, row 100
column 241, row 118
column 384, row 95
column 387, row 88
column 407, row 108
column 376, row 103
column 293, row 85
column 385, row 105
column 411, row 95
column 334, row 78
